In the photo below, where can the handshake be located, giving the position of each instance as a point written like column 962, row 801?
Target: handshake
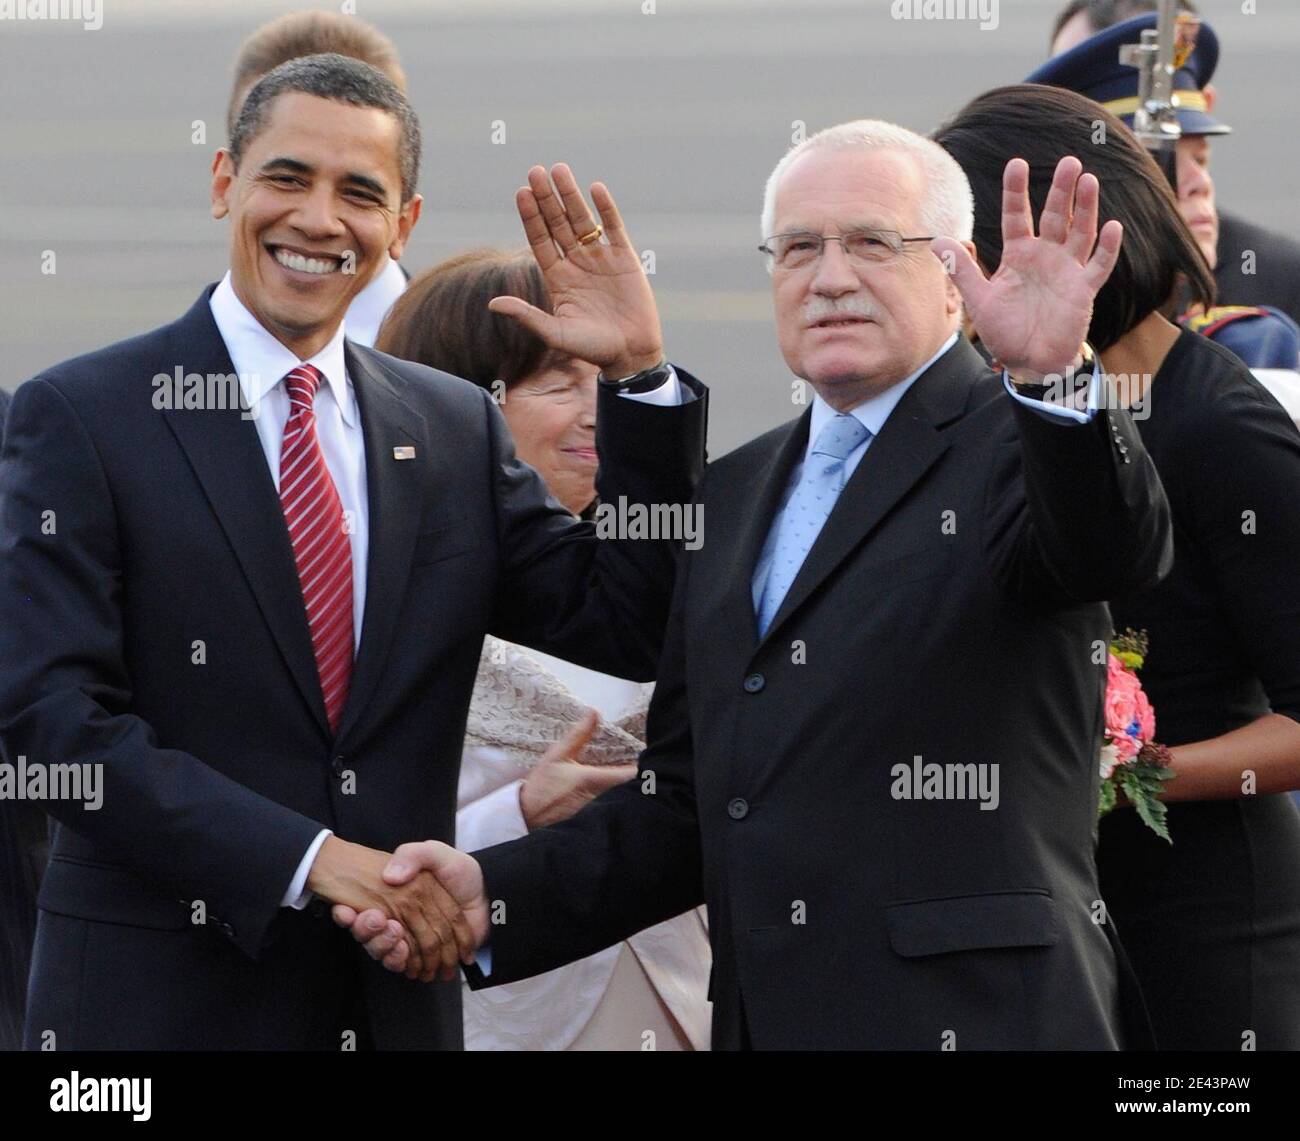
column 421, row 912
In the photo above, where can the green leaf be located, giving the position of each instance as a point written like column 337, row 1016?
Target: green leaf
column 1141, row 785
column 1107, row 799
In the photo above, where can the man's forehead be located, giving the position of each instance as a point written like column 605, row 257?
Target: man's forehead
column 873, row 185
column 304, row 114
column 325, row 135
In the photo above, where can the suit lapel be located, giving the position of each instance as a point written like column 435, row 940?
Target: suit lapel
column 395, row 492
column 224, row 450
column 909, row 445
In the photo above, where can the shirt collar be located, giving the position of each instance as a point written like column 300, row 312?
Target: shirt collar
column 366, row 314
column 874, row 411
column 261, row 361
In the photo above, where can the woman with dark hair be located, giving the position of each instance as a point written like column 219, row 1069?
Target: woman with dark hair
column 1211, row 923
column 534, row 751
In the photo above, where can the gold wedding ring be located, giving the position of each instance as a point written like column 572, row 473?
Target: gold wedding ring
column 593, row 236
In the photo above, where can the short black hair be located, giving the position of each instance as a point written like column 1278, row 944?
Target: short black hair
column 345, row 80
column 1102, row 14
column 1043, row 125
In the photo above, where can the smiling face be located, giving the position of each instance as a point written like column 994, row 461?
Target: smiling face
column 314, row 208
column 552, row 416
column 853, row 331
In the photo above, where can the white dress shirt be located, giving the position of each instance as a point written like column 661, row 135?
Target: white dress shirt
column 369, row 307
column 262, row 363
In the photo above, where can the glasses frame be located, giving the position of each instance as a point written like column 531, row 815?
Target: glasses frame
column 766, row 248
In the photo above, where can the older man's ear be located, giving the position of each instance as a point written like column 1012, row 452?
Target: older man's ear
column 952, row 293
column 967, row 325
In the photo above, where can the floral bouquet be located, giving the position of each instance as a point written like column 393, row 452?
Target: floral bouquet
column 1131, row 760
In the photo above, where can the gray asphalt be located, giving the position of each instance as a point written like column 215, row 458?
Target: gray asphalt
column 683, row 112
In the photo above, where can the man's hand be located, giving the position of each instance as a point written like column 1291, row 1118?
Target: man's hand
column 1034, row 313
column 560, row 784
column 602, row 308
column 438, row 933
column 457, row 873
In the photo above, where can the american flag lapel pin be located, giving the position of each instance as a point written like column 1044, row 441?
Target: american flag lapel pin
column 406, row 453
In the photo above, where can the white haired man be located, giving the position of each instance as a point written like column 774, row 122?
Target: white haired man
column 872, row 749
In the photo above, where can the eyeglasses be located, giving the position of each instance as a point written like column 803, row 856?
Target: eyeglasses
column 863, row 247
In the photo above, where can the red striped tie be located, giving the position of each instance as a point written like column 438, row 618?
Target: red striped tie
column 321, row 546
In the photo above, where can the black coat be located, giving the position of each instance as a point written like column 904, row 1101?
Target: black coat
column 841, row 916
column 23, row 848
column 217, row 776
column 1212, row 923
column 1275, row 279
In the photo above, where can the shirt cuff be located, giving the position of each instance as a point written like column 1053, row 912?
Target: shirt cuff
column 492, row 819
column 666, row 395
column 298, row 896
column 483, row 960
column 1062, row 412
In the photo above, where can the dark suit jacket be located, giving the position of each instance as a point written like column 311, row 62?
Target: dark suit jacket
column 1276, row 277
column 949, row 611
column 159, row 629
column 22, row 847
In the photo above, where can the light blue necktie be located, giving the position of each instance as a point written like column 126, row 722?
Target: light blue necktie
column 809, row 507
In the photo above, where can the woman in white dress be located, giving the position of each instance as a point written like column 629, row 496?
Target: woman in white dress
column 546, row 736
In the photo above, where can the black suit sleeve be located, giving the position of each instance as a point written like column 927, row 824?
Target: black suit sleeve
column 628, row 860
column 65, row 687
column 600, row 603
column 1240, row 474
column 1077, row 512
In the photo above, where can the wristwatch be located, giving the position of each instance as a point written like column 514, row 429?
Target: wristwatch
column 647, row 380
column 1080, row 378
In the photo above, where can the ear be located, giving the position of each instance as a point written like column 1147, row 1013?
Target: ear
column 1211, row 94
column 952, row 295
column 406, row 219
column 223, row 180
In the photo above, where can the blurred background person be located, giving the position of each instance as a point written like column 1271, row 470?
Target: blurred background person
column 1088, row 63
column 534, row 750
column 1211, row 923
column 311, row 33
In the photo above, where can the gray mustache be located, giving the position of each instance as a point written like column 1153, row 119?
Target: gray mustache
column 821, row 310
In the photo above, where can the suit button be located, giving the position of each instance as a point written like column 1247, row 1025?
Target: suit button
column 336, row 766
column 754, row 683
column 738, row 808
